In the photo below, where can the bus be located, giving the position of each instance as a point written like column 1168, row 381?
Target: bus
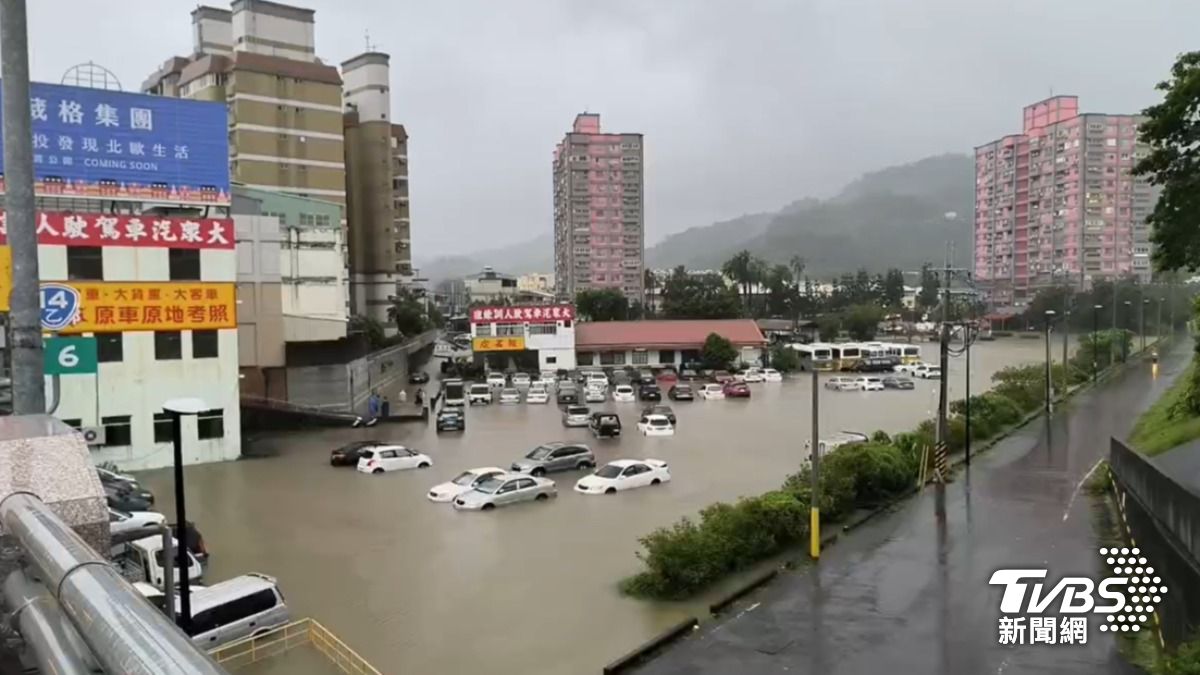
column 452, row 392
column 815, row 356
column 846, row 355
column 910, row 354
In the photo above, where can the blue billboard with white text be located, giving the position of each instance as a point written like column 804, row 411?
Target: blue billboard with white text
column 97, row 143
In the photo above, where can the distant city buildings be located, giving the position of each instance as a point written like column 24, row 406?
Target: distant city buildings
column 495, row 287
column 599, row 210
column 543, row 283
column 1058, row 203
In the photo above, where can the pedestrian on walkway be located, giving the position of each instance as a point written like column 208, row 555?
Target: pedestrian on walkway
column 385, row 408
column 402, row 397
column 372, row 407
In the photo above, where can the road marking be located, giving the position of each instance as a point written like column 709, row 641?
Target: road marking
column 1079, row 486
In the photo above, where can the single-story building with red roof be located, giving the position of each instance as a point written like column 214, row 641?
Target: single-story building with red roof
column 662, row 343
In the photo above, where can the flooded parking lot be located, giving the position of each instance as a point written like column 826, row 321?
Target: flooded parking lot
column 417, row 587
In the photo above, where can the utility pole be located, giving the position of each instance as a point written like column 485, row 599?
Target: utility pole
column 1112, row 334
column 24, row 319
column 814, row 511
column 941, row 447
column 1049, row 366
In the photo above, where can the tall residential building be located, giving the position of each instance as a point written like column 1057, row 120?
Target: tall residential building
column 377, row 187
column 285, row 105
column 1058, row 203
column 599, row 211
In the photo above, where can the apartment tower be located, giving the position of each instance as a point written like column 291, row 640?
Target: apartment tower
column 377, row 187
column 1058, row 203
column 599, row 210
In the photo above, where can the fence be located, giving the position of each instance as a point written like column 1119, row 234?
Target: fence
column 296, row 634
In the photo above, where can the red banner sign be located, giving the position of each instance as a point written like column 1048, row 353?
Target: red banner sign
column 100, row 229
column 523, row 314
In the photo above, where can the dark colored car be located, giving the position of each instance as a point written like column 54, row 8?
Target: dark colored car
column 898, row 383
column 567, row 393
column 681, row 392
column 195, row 541
column 736, row 390
column 126, row 500
column 664, row 410
column 646, row 377
column 605, row 425
column 649, row 392
column 348, row 454
column 419, row 377
column 688, row 375
column 722, row 376
column 122, row 484
column 876, row 364
column 451, row 418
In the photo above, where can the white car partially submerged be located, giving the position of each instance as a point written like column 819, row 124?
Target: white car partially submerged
column 711, row 391
column 871, row 383
column 521, row 379
column 382, row 458
column 624, row 474
column 509, row 395
column 537, row 394
column 594, row 395
column 772, row 375
column 656, row 425
column 496, row 379
column 463, row 482
column 623, row 393
column 751, row 375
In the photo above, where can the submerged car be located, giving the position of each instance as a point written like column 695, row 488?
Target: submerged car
column 508, row 395
column 656, row 425
column 463, row 482
column 605, row 425
column 479, row 394
column 451, row 418
column 736, row 390
column 624, row 474
column 664, row 410
column 711, row 392
column 567, row 393
column 383, row 458
column 576, row 416
column 537, row 394
column 558, row 456
column 750, row 375
column 772, row 375
column 898, row 383
column 623, row 393
column 681, row 392
column 505, row 490
column 496, row 379
column 649, row 392
column 595, row 395
column 521, row 379
column 348, row 454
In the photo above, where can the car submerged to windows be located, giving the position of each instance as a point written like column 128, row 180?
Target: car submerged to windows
column 463, row 482
column 505, row 490
column 681, row 392
column 537, row 394
column 656, row 425
column 898, row 383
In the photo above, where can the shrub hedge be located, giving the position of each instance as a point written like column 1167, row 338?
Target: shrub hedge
column 688, row 556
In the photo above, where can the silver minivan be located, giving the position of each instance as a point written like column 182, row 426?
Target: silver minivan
column 241, row 607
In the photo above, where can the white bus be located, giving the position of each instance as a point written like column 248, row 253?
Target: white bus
column 815, row 356
column 910, row 354
column 846, row 355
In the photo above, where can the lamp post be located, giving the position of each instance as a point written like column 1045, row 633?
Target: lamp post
column 1142, row 323
column 1095, row 346
column 1124, row 331
column 177, row 408
column 814, row 511
column 1049, row 382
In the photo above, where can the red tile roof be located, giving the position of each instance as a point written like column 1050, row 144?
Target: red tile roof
column 682, row 334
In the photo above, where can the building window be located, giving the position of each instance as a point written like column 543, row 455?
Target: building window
column 164, row 425
column 483, row 330
column 210, row 424
column 510, row 329
column 117, row 430
column 612, row 358
column 551, row 360
column 322, row 219
column 281, row 216
column 204, row 344
column 307, row 219
column 585, row 358
column 184, row 264
column 641, row 358
column 167, row 345
column 85, row 262
column 110, row 347
column 543, row 329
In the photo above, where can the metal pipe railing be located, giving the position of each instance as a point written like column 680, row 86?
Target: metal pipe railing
column 55, row 643
column 125, row 633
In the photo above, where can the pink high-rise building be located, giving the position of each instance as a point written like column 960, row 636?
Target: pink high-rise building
column 599, row 213
column 1058, row 203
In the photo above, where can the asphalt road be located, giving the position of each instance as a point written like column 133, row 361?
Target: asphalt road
column 909, row 593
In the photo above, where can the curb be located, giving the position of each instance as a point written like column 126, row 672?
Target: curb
column 640, row 652
column 738, row 593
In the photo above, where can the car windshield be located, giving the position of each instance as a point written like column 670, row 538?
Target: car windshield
column 659, row 422
column 577, row 410
column 479, row 389
column 508, row 392
column 609, row 471
column 465, row 479
column 489, row 486
column 624, row 389
column 540, row 452
column 683, row 387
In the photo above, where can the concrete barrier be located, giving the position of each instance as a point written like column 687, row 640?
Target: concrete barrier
column 720, row 605
column 1175, row 507
column 652, row 645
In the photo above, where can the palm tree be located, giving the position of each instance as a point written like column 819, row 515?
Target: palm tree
column 740, row 270
column 650, row 281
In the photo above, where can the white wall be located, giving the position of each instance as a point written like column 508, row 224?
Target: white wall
column 373, row 104
column 312, row 267
column 276, row 29
column 215, row 32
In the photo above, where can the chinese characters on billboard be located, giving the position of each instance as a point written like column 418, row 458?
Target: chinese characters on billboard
column 101, row 143
column 499, row 344
column 97, row 229
column 523, row 313
column 109, row 307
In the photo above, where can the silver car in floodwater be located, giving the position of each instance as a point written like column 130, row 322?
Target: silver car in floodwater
column 576, row 416
column 558, row 456
column 504, row 491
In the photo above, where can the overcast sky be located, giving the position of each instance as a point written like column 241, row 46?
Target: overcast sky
column 745, row 105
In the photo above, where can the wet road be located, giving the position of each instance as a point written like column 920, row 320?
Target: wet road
column 904, row 595
column 417, row 587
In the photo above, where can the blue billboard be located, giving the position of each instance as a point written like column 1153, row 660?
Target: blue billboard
column 115, row 145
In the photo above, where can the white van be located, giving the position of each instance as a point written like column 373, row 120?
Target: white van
column 241, row 607
column 147, row 555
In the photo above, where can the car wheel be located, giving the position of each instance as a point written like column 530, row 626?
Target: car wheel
column 377, row 471
column 610, row 491
column 542, row 497
column 538, row 472
column 488, row 507
column 423, row 465
column 583, row 466
column 655, row 481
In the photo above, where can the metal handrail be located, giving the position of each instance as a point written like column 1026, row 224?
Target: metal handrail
column 305, row 631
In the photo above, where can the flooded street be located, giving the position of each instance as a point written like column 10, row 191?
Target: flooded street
column 416, row 587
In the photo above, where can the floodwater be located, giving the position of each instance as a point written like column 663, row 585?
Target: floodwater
column 417, row 587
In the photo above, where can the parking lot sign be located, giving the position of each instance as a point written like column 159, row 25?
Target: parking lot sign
column 70, row 356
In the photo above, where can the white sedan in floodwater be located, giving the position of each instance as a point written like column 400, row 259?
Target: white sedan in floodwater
column 624, row 474
column 623, row 394
column 772, row 375
column 463, row 482
column 656, row 425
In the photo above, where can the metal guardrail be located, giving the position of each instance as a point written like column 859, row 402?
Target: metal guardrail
column 296, row 634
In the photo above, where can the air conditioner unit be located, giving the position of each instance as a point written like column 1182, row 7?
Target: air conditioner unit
column 92, row 435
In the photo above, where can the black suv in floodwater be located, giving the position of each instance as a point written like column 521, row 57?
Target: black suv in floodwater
column 451, row 418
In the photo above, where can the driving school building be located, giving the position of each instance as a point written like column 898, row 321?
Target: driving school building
column 663, row 343
column 158, row 296
column 546, row 330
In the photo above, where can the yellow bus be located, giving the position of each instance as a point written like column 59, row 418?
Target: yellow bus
column 815, row 356
column 908, row 354
column 846, row 355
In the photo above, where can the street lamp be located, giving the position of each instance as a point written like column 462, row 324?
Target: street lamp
column 1049, row 385
column 177, row 408
column 1095, row 345
column 1142, row 323
column 1124, row 332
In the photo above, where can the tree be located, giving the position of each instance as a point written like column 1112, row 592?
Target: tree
column 602, row 304
column 927, row 298
column 703, row 296
column 370, row 328
column 862, row 321
column 745, row 270
column 781, row 292
column 893, row 288
column 408, row 313
column 650, row 281
column 1171, row 129
column 784, row 359
column 717, row 352
column 828, row 327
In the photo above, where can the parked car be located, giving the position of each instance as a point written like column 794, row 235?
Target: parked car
column 681, row 392
column 146, row 556
column 910, row 368
column 687, row 375
column 537, row 394
column 381, row 458
column 120, row 522
column 722, row 376
column 594, row 395
column 509, row 395
column 463, row 482
column 595, row 378
column 898, row 383
column 576, row 416
column 772, row 375
column 927, row 371
column 664, row 410
column 605, row 425
column 712, row 391
column 656, row 425
column 496, row 379
column 624, row 474
column 348, row 454
column 623, row 393
column 419, row 377
column 558, row 456
column 567, row 393
column 751, row 375
column 125, row 500
column 504, row 491
column 451, row 418
column 843, row 383
column 649, row 392
column 479, row 394
column 125, row 484
column 870, row 383
column 736, row 390
column 521, row 380
column 645, row 376
column 668, row 374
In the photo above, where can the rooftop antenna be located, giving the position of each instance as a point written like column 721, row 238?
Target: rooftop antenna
column 367, row 41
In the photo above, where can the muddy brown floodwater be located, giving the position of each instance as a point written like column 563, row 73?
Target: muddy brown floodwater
column 416, row 587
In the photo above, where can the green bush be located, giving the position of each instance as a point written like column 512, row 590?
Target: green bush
column 784, row 359
column 880, row 436
column 1184, row 661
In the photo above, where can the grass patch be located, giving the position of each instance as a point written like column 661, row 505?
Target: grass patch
column 1167, row 424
